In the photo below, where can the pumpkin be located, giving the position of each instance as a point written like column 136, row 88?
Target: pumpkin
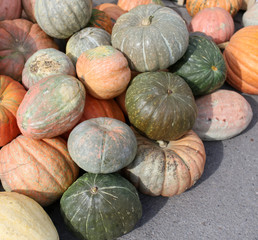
column 202, row 66
column 51, row 107
column 152, row 37
column 20, row 38
column 61, row 19
column 215, row 22
column 241, row 56
column 11, row 95
column 101, row 206
column 102, row 145
column 87, row 38
column 104, row 71
column 44, row 63
column 28, row 7
column 250, row 3
column 120, row 99
column 222, row 114
column 23, row 218
column 10, row 9
column 40, row 169
column 160, row 105
column 166, row 168
column 128, row 5
column 250, row 17
column 194, row 6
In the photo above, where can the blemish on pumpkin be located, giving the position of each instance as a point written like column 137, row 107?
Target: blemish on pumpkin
column 44, row 64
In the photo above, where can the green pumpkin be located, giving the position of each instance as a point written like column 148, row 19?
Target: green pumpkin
column 160, row 105
column 202, row 66
column 101, row 206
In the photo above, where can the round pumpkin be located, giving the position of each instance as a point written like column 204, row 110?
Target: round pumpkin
column 250, row 17
column 11, row 95
column 128, row 5
column 20, row 38
column 161, row 105
column 61, row 19
column 166, row 168
column 101, row 206
column 40, row 169
column 23, row 218
column 202, row 66
column 241, row 56
column 10, row 9
column 28, row 7
column 51, row 107
column 102, row 145
column 44, row 63
column 152, row 37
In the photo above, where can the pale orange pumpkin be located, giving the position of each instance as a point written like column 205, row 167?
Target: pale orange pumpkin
column 128, row 5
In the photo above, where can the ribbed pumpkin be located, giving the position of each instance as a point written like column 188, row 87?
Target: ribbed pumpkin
column 128, row 5
column 161, row 105
column 194, row 6
column 61, row 19
column 101, row 206
column 11, row 95
column 152, row 37
column 44, row 63
column 10, row 9
column 241, row 56
column 28, row 7
column 250, row 17
column 51, row 107
column 40, row 169
column 102, row 145
column 104, row 71
column 166, row 168
column 23, row 218
column 20, row 38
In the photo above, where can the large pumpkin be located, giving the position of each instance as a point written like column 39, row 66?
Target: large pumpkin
column 10, row 9
column 101, row 206
column 241, row 56
column 166, row 168
column 11, row 95
column 40, row 169
column 60, row 19
column 152, row 37
column 128, row 5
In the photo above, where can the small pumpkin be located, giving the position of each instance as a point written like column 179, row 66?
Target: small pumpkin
column 108, row 204
column 128, row 5
column 250, row 17
column 10, row 10
column 28, row 7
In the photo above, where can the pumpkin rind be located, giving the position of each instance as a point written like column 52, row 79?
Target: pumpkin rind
column 28, row 7
column 101, row 206
column 250, row 17
column 10, row 9
column 152, row 37
column 128, row 5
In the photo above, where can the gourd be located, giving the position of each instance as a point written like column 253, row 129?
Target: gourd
column 128, row 5
column 10, row 9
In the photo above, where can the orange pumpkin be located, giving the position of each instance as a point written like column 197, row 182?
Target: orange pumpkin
column 11, row 95
column 128, row 5
column 241, row 57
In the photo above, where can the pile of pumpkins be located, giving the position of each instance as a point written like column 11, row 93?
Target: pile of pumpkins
column 98, row 103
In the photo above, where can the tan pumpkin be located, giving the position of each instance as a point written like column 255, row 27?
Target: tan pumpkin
column 128, row 5
column 250, row 17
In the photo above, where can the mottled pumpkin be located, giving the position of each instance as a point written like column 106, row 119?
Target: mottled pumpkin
column 128, row 5
column 10, row 9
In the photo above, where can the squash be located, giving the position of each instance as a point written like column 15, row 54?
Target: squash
column 23, row 218
column 40, row 169
column 222, row 114
column 61, row 19
column 241, row 56
column 102, row 145
column 152, row 37
column 20, row 38
column 202, row 66
column 166, row 168
column 101, row 206
column 51, row 107
column 250, row 17
column 28, row 7
column 11, row 95
column 128, row 5
column 160, row 105
column 10, row 10
column 44, row 63
column 104, row 71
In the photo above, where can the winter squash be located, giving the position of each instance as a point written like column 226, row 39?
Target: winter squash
column 202, row 66
column 120, row 99
column 11, row 95
column 222, row 114
column 128, row 5
column 24, row 218
column 194, row 6
column 40, row 169
column 22, row 38
column 61, row 19
column 152, row 37
column 44, row 63
column 160, row 105
column 104, row 71
column 102, row 145
column 10, row 9
column 28, row 7
column 87, row 38
column 109, row 206
column 241, row 56
column 166, row 168
column 215, row 22
column 250, row 17
column 51, row 107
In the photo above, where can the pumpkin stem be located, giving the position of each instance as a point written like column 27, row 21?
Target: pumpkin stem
column 162, row 143
column 94, row 190
column 169, row 91
column 147, row 21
